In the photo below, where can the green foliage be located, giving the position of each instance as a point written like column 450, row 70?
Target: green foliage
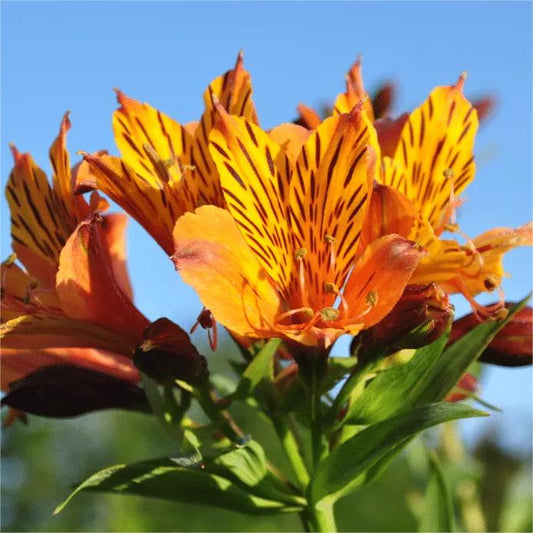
column 258, row 371
column 397, row 389
column 438, row 507
column 341, row 469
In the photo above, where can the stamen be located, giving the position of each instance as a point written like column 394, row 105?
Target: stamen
column 483, row 312
column 372, row 298
column 307, row 311
column 331, row 241
column 329, row 314
column 331, row 288
column 206, row 321
column 299, row 255
column 160, row 165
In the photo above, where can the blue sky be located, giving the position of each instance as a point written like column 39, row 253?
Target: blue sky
column 59, row 56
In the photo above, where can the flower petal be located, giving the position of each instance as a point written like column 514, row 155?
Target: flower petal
column 436, row 152
column 233, row 90
column 23, row 294
column 31, row 342
column 379, row 278
column 355, row 93
column 155, row 208
column 92, row 282
column 150, row 142
column 291, row 138
column 390, row 212
column 472, row 268
column 254, row 178
column 330, row 193
column 213, row 257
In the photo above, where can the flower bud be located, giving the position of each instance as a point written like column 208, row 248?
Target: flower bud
column 465, row 387
column 167, row 354
column 512, row 346
column 420, row 317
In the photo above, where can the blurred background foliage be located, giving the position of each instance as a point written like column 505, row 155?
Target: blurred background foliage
column 41, row 463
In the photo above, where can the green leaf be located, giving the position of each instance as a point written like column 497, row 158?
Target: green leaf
column 171, row 480
column 342, row 468
column 456, row 359
column 247, row 465
column 338, row 368
column 438, row 508
column 259, row 370
column 397, row 389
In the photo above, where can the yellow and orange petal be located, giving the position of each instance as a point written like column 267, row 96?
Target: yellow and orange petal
column 42, row 215
column 434, row 160
column 33, row 342
column 92, row 282
column 213, row 256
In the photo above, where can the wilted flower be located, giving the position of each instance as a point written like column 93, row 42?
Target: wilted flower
column 167, row 354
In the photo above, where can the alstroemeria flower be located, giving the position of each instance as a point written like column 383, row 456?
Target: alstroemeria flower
column 165, row 168
column 427, row 161
column 283, row 259
column 71, row 304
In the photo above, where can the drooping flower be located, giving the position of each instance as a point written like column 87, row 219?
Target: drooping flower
column 69, row 301
column 427, row 161
column 283, row 259
column 165, row 168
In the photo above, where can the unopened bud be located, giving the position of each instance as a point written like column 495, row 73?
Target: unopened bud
column 167, row 354
column 465, row 387
column 512, row 346
column 420, row 317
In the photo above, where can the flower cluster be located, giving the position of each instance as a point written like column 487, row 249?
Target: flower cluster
column 313, row 229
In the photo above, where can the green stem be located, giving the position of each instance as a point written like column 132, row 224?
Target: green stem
column 204, row 395
column 318, row 439
column 323, row 519
column 292, row 451
column 348, row 390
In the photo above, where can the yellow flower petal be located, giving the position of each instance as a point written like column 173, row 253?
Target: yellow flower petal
column 330, row 193
column 435, row 153
column 214, row 258
column 254, row 177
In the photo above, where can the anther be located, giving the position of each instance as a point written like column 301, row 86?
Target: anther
column 329, row 239
column 329, row 314
column 300, row 253
column 330, row 288
column 372, row 298
column 449, row 173
column 490, row 282
column 160, row 165
column 206, row 321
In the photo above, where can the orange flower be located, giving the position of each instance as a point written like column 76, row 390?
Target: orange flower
column 72, row 302
column 283, row 259
column 427, row 161
column 166, row 168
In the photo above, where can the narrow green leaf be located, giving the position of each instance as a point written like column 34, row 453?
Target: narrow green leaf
column 456, row 359
column 397, row 389
column 438, row 507
column 259, row 370
column 166, row 479
column 335, row 475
